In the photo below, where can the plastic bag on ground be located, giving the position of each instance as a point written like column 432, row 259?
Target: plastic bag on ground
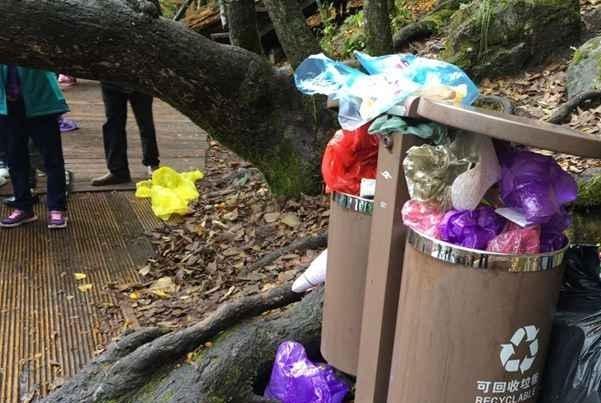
column 424, row 217
column 295, row 379
column 169, row 191
column 516, row 240
column 535, row 185
column 349, row 157
column 471, row 229
column 573, row 372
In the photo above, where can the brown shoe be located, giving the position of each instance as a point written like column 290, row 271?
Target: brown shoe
column 110, row 179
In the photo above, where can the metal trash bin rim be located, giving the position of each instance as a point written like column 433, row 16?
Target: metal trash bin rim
column 478, row 259
column 354, row 203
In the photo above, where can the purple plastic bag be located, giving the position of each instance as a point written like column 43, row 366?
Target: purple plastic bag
column 295, row 379
column 535, row 185
column 471, row 229
column 552, row 237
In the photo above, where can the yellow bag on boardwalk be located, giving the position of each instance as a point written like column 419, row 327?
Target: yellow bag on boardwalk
column 169, row 191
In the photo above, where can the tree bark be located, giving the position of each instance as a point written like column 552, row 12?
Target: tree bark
column 234, row 94
column 291, row 27
column 243, row 30
column 378, row 31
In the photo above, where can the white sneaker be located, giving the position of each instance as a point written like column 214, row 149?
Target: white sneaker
column 3, row 180
column 4, row 173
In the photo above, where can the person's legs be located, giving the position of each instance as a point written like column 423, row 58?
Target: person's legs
column 46, row 134
column 142, row 107
column 18, row 155
column 113, row 132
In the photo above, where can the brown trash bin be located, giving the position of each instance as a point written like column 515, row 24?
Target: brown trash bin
column 475, row 325
column 348, row 246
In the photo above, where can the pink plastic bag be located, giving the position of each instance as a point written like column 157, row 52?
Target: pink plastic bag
column 423, row 216
column 516, row 240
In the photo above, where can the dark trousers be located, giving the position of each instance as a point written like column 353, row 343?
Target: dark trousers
column 34, row 156
column 115, row 136
column 45, row 133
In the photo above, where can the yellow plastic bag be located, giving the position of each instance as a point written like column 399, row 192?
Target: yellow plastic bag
column 169, row 191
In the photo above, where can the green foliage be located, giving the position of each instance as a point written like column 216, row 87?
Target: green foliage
column 401, row 15
column 169, row 7
column 589, row 193
column 342, row 42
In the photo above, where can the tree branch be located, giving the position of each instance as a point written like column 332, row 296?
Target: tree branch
column 234, row 94
column 565, row 110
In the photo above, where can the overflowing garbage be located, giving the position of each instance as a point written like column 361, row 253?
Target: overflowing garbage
column 465, row 189
column 391, row 80
column 170, row 192
column 295, row 379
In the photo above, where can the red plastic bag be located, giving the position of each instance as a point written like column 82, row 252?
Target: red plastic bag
column 516, row 240
column 349, row 157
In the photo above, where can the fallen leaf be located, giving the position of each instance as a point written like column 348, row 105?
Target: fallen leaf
column 291, row 220
column 134, row 296
column 163, row 287
column 271, row 217
column 231, row 216
column 144, row 270
column 80, row 276
column 85, row 287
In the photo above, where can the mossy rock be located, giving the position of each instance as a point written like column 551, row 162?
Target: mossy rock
column 589, row 190
column 489, row 38
column 584, row 72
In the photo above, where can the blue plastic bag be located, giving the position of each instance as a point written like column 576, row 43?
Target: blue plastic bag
column 425, row 72
column 363, row 97
column 295, row 379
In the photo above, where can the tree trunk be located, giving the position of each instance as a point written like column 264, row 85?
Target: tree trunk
column 377, row 27
column 243, row 30
column 291, row 27
column 234, row 94
column 217, row 360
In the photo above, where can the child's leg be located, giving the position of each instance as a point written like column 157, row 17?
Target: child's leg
column 46, row 135
column 18, row 155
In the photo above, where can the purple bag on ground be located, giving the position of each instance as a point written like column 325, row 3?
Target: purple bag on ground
column 295, row 379
column 471, row 229
column 535, row 185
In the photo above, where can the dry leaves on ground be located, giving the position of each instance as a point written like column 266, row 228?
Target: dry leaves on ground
column 202, row 259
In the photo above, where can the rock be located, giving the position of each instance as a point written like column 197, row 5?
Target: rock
column 584, row 72
column 592, row 20
column 489, row 38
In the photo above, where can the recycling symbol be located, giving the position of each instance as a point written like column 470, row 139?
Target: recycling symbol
column 526, row 334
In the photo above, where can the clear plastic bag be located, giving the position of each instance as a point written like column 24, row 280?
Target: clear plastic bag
column 393, row 78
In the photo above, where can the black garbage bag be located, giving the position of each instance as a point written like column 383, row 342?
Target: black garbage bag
column 573, row 370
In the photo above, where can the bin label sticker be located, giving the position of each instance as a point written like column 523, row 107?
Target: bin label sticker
column 511, row 363
column 386, row 175
column 517, row 357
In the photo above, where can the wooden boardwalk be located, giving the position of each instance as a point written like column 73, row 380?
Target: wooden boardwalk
column 49, row 328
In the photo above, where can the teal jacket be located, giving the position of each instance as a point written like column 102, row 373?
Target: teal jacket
column 41, row 93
